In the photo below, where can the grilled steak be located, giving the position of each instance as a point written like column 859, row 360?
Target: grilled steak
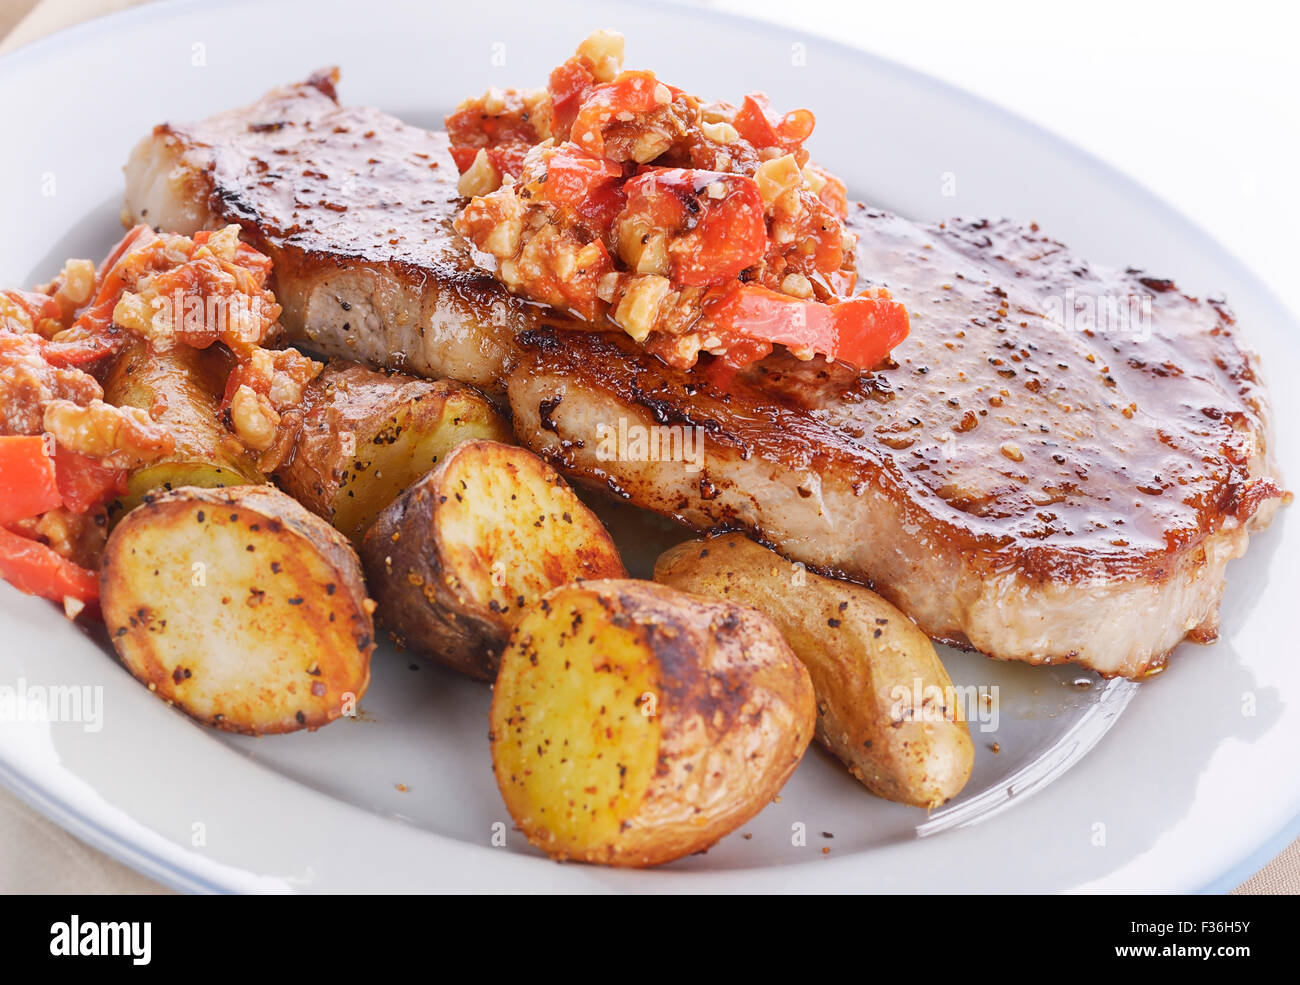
column 355, row 209
column 1017, row 481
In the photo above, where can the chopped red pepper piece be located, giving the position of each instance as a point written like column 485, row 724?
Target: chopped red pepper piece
column 631, row 92
column 92, row 338
column 28, row 486
column 868, row 327
column 506, row 158
column 36, row 569
column 568, row 86
column 571, row 176
column 715, row 221
column 586, row 186
column 506, row 133
column 86, row 483
column 464, row 157
column 111, row 282
column 577, row 190
column 859, row 331
column 757, row 123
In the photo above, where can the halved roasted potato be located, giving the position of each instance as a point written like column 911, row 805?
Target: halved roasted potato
column 367, row 435
column 633, row 724
column 868, row 663
column 456, row 559
column 179, row 389
column 240, row 607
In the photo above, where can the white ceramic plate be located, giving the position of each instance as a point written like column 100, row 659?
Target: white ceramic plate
column 1192, row 785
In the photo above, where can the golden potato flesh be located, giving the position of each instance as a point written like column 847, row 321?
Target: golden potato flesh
column 862, row 653
column 240, row 607
column 633, row 724
column 367, row 435
column 454, row 562
column 596, row 692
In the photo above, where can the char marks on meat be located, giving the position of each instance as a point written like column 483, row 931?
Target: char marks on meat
column 355, row 208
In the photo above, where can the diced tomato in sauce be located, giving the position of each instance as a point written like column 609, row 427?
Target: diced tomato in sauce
column 86, row 483
column 568, row 86
column 631, row 93
column 572, row 175
column 860, row 330
column 28, row 484
column 716, row 221
column 36, row 569
column 757, row 123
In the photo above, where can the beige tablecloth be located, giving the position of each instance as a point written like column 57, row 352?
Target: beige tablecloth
column 39, row 857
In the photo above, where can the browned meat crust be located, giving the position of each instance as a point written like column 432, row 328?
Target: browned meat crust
column 1013, row 482
column 354, row 207
column 1039, row 492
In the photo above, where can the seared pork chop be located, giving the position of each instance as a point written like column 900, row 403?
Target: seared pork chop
column 355, row 208
column 1014, row 484
column 1034, row 492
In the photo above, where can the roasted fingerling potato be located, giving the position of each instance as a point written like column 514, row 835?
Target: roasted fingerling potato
column 368, row 434
column 862, row 654
column 633, row 724
column 456, row 559
column 179, row 389
column 239, row 607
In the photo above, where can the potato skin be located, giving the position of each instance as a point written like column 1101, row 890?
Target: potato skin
column 179, row 389
column 456, row 558
column 367, row 435
column 858, row 649
column 240, row 607
column 699, row 704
